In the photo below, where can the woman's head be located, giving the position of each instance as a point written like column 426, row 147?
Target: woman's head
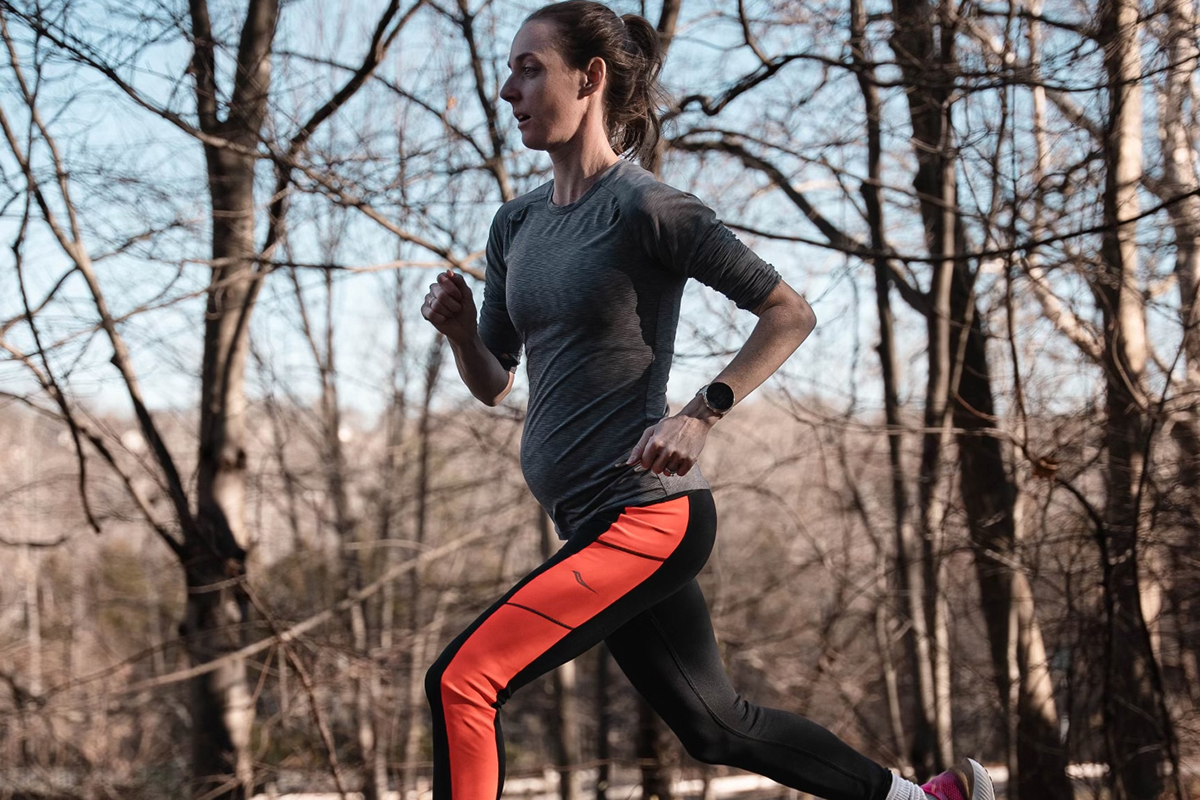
column 587, row 66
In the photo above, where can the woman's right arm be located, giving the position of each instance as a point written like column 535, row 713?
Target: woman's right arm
column 451, row 309
column 481, row 372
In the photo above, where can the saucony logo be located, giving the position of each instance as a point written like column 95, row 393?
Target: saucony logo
column 580, row 581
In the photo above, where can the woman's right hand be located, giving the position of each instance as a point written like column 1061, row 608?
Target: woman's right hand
column 450, row 308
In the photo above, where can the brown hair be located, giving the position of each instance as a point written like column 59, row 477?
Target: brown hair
column 633, row 56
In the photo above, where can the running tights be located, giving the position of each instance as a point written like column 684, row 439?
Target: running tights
column 629, row 580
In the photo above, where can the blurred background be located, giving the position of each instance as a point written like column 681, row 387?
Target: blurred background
column 247, row 500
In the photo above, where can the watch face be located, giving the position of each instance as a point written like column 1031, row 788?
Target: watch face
column 719, row 396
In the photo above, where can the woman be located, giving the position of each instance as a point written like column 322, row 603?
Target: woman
column 586, row 273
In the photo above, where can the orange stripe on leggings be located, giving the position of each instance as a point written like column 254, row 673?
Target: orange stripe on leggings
column 572, row 592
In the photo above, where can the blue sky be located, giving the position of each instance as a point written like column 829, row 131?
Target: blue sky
column 104, row 136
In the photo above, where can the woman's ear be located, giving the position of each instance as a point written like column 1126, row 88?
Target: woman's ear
column 595, row 72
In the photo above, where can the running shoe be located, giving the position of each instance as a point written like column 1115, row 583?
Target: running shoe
column 968, row 780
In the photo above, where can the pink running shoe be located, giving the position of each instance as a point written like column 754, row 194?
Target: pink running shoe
column 966, row 781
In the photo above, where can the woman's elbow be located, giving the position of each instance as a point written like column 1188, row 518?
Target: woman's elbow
column 806, row 318
column 788, row 304
column 799, row 314
column 496, row 399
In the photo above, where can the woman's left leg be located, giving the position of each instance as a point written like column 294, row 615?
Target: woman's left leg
column 670, row 655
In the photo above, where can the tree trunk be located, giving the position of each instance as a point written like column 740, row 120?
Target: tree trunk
column 1180, row 184
column 891, row 684
column 394, row 473
column 603, row 722
column 563, row 729
column 214, row 559
column 221, row 706
column 1134, row 727
column 926, row 68
column 217, row 609
column 908, row 577
column 1179, row 181
column 1021, row 672
column 33, row 619
column 416, row 598
column 346, row 524
column 652, row 754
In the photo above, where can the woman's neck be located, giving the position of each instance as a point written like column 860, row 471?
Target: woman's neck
column 574, row 174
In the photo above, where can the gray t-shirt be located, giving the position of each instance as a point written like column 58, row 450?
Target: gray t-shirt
column 592, row 291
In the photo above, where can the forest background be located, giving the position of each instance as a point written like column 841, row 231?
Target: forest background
column 246, row 499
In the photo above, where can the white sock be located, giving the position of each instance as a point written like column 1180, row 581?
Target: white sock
column 904, row 790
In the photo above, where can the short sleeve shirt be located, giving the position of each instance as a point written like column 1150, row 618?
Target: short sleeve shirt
column 590, row 293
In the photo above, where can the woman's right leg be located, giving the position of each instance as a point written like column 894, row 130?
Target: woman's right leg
column 670, row 655
column 623, row 562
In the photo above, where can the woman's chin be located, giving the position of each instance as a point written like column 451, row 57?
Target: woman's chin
column 532, row 142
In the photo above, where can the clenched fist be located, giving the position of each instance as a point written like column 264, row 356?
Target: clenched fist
column 450, row 307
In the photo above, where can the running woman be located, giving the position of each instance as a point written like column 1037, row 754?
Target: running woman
column 585, row 273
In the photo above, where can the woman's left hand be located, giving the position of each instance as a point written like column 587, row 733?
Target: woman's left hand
column 672, row 445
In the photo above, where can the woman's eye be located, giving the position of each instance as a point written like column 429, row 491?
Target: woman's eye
column 528, row 71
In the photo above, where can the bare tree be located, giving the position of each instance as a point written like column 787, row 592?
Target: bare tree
column 564, row 723
column 211, row 550
column 1135, row 727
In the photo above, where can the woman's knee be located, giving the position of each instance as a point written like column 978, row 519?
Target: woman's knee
column 455, row 677
column 708, row 743
column 435, row 676
column 714, row 738
column 433, row 680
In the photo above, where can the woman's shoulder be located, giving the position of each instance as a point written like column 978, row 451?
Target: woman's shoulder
column 632, row 184
column 652, row 207
column 640, row 193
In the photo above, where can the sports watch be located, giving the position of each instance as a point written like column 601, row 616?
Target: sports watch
column 717, row 396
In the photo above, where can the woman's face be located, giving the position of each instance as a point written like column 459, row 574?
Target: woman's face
column 543, row 88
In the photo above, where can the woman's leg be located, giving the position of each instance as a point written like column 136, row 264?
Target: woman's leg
column 670, row 655
column 606, row 574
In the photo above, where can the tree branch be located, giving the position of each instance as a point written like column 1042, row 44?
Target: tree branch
column 836, row 238
column 78, row 254
column 80, row 426
column 202, row 66
column 251, row 83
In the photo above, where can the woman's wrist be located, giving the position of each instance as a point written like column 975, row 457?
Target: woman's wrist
column 697, row 409
column 468, row 339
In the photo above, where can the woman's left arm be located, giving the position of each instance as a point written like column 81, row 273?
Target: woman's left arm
column 785, row 319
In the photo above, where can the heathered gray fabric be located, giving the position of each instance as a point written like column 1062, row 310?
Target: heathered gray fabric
column 592, row 291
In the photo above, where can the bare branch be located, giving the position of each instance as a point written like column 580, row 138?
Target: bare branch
column 24, row 543
column 748, row 36
column 835, row 237
column 295, row 631
column 380, row 42
column 466, row 21
column 202, row 66
column 248, row 106
column 78, row 254
column 46, row 376
column 80, row 426
column 1062, row 317
column 306, row 681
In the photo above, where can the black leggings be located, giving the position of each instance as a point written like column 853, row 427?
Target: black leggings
column 628, row 579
